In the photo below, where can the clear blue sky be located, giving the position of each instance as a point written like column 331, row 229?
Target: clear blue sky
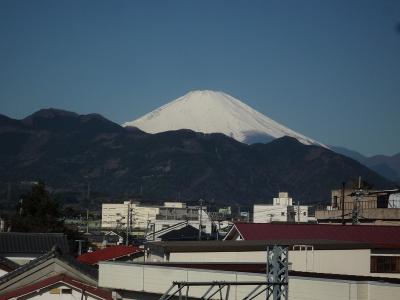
column 327, row 69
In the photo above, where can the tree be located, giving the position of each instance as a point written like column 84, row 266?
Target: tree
column 37, row 212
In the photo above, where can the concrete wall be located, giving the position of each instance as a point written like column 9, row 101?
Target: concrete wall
column 350, row 262
column 249, row 256
column 148, row 282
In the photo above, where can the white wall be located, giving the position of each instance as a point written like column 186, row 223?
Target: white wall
column 46, row 295
column 157, row 279
column 350, row 262
column 249, row 256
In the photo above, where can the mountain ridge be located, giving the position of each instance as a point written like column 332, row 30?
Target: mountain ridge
column 385, row 165
column 119, row 162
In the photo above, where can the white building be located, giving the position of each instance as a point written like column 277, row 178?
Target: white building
column 115, row 215
column 173, row 217
column 154, row 219
column 282, row 210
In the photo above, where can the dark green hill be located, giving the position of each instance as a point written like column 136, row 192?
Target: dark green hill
column 68, row 151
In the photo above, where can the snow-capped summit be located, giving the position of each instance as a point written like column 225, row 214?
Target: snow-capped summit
column 215, row 112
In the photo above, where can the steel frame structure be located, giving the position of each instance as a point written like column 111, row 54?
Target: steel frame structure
column 275, row 285
column 277, row 272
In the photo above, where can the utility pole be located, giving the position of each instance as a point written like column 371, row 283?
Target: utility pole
column 79, row 246
column 356, row 203
column 87, row 221
column 21, row 201
column 128, row 221
column 342, row 202
column 201, row 213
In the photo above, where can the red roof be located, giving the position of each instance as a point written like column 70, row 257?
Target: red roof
column 108, row 253
column 371, row 234
column 60, row 278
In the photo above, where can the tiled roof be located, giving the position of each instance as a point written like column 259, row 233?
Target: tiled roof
column 108, row 253
column 60, row 278
column 55, row 253
column 371, row 234
column 35, row 243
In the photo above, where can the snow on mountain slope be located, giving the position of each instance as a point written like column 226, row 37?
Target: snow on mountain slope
column 211, row 112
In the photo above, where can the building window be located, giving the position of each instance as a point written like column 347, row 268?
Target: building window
column 385, row 264
column 335, row 202
column 282, row 213
column 66, row 291
column 304, row 213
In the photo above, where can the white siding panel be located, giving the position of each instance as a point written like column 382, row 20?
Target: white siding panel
column 119, row 276
column 159, row 279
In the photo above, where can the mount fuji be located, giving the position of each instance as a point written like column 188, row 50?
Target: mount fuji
column 216, row 112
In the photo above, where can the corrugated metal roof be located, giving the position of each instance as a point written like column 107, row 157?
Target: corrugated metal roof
column 108, row 253
column 35, row 243
column 370, row 234
column 237, row 246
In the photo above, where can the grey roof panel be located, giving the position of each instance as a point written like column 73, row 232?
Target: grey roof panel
column 37, row 243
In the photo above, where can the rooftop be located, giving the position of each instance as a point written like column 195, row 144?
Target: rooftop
column 35, row 243
column 109, row 253
column 378, row 236
column 98, row 293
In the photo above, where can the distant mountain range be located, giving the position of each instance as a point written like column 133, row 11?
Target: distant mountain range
column 68, row 151
column 387, row 166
